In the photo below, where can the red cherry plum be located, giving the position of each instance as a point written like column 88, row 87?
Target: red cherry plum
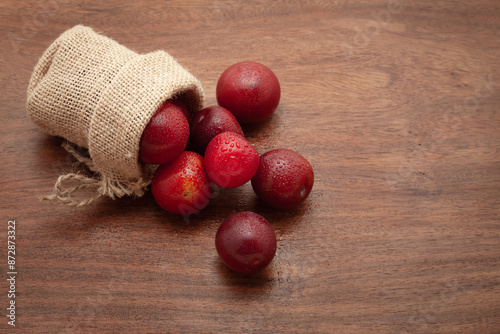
column 250, row 90
column 230, row 160
column 246, row 242
column 284, row 178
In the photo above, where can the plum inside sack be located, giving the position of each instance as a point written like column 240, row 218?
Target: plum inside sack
column 98, row 94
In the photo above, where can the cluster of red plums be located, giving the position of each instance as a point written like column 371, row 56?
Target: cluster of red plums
column 219, row 154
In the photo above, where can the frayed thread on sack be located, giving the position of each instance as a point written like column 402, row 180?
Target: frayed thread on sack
column 101, row 185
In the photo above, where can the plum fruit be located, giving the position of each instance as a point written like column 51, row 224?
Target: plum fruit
column 230, row 160
column 250, row 90
column 165, row 136
column 246, row 242
column 182, row 186
column 208, row 123
column 284, row 178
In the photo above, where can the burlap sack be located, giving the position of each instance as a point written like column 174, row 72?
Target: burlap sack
column 100, row 95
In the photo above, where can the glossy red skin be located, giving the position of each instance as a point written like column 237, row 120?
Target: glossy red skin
column 230, row 160
column 246, row 242
column 284, row 178
column 250, row 90
column 182, row 186
column 179, row 103
column 165, row 136
column 208, row 123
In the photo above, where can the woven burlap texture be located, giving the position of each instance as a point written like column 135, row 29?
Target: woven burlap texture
column 100, row 95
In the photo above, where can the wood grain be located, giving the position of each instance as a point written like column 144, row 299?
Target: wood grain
column 394, row 103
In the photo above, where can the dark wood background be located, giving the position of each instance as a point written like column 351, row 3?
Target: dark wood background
column 395, row 106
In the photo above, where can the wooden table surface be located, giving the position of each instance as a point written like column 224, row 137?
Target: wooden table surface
column 394, row 103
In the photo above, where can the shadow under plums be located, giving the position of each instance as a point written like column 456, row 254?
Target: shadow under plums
column 244, row 283
column 283, row 219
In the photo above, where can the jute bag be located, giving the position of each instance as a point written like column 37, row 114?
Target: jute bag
column 100, row 95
